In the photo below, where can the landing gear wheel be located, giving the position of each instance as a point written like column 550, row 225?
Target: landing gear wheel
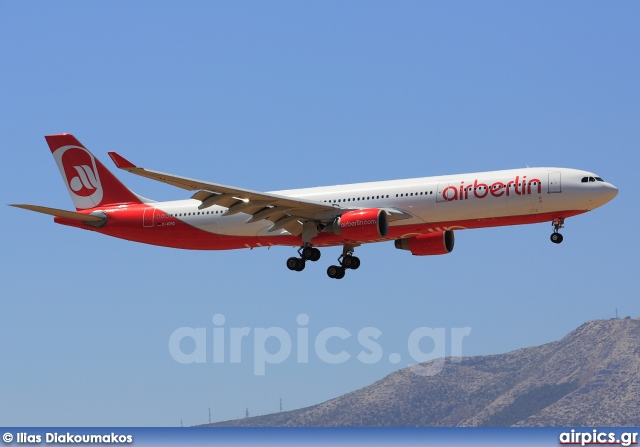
column 306, row 252
column 351, row 262
column 292, row 263
column 296, row 264
column 310, row 253
column 335, row 272
column 556, row 238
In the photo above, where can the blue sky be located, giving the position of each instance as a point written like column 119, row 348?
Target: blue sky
column 283, row 95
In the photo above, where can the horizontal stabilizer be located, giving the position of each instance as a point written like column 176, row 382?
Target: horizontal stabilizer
column 61, row 213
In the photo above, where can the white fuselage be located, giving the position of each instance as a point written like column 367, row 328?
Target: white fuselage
column 429, row 200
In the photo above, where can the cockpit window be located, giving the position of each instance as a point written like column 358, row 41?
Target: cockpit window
column 591, row 179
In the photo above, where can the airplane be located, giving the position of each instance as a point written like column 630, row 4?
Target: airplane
column 420, row 215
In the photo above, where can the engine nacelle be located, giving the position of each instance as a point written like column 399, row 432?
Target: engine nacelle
column 361, row 225
column 439, row 243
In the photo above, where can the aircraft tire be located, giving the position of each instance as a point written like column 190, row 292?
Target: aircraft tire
column 556, row 238
column 293, row 263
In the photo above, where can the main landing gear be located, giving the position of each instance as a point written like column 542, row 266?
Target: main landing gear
column 346, row 260
column 307, row 253
column 557, row 223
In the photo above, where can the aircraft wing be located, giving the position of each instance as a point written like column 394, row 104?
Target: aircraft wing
column 258, row 205
column 285, row 212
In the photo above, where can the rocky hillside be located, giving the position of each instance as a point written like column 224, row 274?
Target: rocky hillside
column 589, row 378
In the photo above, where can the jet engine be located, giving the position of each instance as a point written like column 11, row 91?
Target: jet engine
column 439, row 243
column 361, row 225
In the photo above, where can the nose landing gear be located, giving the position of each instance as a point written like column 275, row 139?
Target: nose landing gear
column 557, row 223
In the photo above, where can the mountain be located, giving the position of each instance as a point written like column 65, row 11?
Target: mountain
column 589, row 378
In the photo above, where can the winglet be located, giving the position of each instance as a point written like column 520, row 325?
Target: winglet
column 121, row 162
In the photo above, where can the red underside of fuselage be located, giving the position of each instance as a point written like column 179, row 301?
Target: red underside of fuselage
column 182, row 235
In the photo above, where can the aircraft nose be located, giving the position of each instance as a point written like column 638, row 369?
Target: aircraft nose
column 610, row 192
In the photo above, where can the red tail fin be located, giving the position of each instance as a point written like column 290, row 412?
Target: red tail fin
column 90, row 184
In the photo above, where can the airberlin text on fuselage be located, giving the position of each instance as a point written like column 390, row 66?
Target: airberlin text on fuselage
column 481, row 190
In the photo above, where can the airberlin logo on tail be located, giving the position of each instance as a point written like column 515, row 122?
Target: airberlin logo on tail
column 79, row 170
column 86, row 181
